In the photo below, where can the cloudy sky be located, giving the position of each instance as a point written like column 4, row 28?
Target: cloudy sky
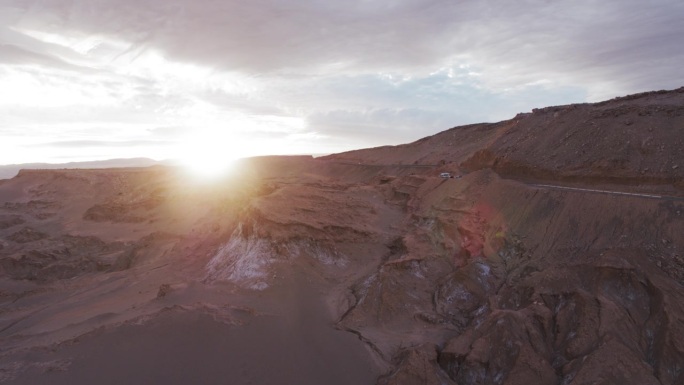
column 99, row 79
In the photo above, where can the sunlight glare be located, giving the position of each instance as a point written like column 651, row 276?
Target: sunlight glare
column 209, row 153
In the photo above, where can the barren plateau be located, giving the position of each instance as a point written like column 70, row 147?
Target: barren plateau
column 555, row 256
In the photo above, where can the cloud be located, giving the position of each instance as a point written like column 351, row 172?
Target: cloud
column 311, row 36
column 438, row 101
column 11, row 54
column 318, row 72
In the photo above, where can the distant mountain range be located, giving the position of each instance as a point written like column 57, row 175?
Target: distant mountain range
column 11, row 170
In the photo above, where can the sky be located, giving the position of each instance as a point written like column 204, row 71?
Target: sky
column 221, row 79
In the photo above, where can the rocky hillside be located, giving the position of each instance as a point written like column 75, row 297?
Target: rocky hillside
column 557, row 258
column 632, row 140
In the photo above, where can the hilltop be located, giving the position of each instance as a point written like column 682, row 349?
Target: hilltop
column 11, row 170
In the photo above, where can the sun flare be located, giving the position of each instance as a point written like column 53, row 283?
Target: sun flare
column 207, row 167
column 209, row 154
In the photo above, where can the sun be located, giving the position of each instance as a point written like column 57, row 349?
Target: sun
column 205, row 166
column 209, row 154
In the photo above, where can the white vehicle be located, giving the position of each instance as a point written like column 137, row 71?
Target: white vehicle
column 445, row 175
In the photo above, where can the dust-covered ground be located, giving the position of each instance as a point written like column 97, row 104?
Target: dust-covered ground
column 365, row 267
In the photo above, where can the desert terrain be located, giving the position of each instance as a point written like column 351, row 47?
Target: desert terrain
column 553, row 255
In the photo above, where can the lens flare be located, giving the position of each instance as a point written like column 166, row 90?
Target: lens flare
column 210, row 154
